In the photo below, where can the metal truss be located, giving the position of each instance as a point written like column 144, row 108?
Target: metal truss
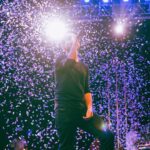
column 95, row 12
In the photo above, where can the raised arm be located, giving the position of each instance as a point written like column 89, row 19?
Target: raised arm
column 73, row 48
column 88, row 98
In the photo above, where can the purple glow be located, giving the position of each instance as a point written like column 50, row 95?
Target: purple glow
column 125, row 0
column 118, row 72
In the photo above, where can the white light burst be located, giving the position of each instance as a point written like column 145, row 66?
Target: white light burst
column 119, row 28
column 55, row 29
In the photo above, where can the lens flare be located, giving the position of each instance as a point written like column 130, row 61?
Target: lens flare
column 119, row 28
column 104, row 126
column 55, row 29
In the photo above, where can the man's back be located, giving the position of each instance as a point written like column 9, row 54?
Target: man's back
column 71, row 81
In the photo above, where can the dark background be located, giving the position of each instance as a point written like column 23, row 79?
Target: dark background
column 119, row 71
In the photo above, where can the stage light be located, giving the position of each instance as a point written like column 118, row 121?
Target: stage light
column 105, row 1
column 119, row 28
column 125, row 0
column 86, row 1
column 55, row 29
column 104, row 126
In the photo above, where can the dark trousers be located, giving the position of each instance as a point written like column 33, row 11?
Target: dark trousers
column 67, row 122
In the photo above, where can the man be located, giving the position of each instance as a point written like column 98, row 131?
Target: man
column 73, row 100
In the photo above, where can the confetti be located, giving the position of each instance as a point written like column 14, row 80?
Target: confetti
column 118, row 72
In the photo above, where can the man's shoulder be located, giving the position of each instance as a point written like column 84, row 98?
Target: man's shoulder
column 60, row 58
column 84, row 65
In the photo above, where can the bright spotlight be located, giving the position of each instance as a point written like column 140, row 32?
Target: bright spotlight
column 104, row 126
column 105, row 1
column 55, row 29
column 119, row 28
column 86, row 1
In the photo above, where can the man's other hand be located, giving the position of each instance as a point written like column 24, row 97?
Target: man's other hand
column 89, row 114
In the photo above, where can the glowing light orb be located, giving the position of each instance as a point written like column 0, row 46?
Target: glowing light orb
column 119, row 28
column 105, row 1
column 104, row 126
column 55, row 29
column 86, row 1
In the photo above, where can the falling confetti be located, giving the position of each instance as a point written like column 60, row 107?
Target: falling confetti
column 118, row 73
